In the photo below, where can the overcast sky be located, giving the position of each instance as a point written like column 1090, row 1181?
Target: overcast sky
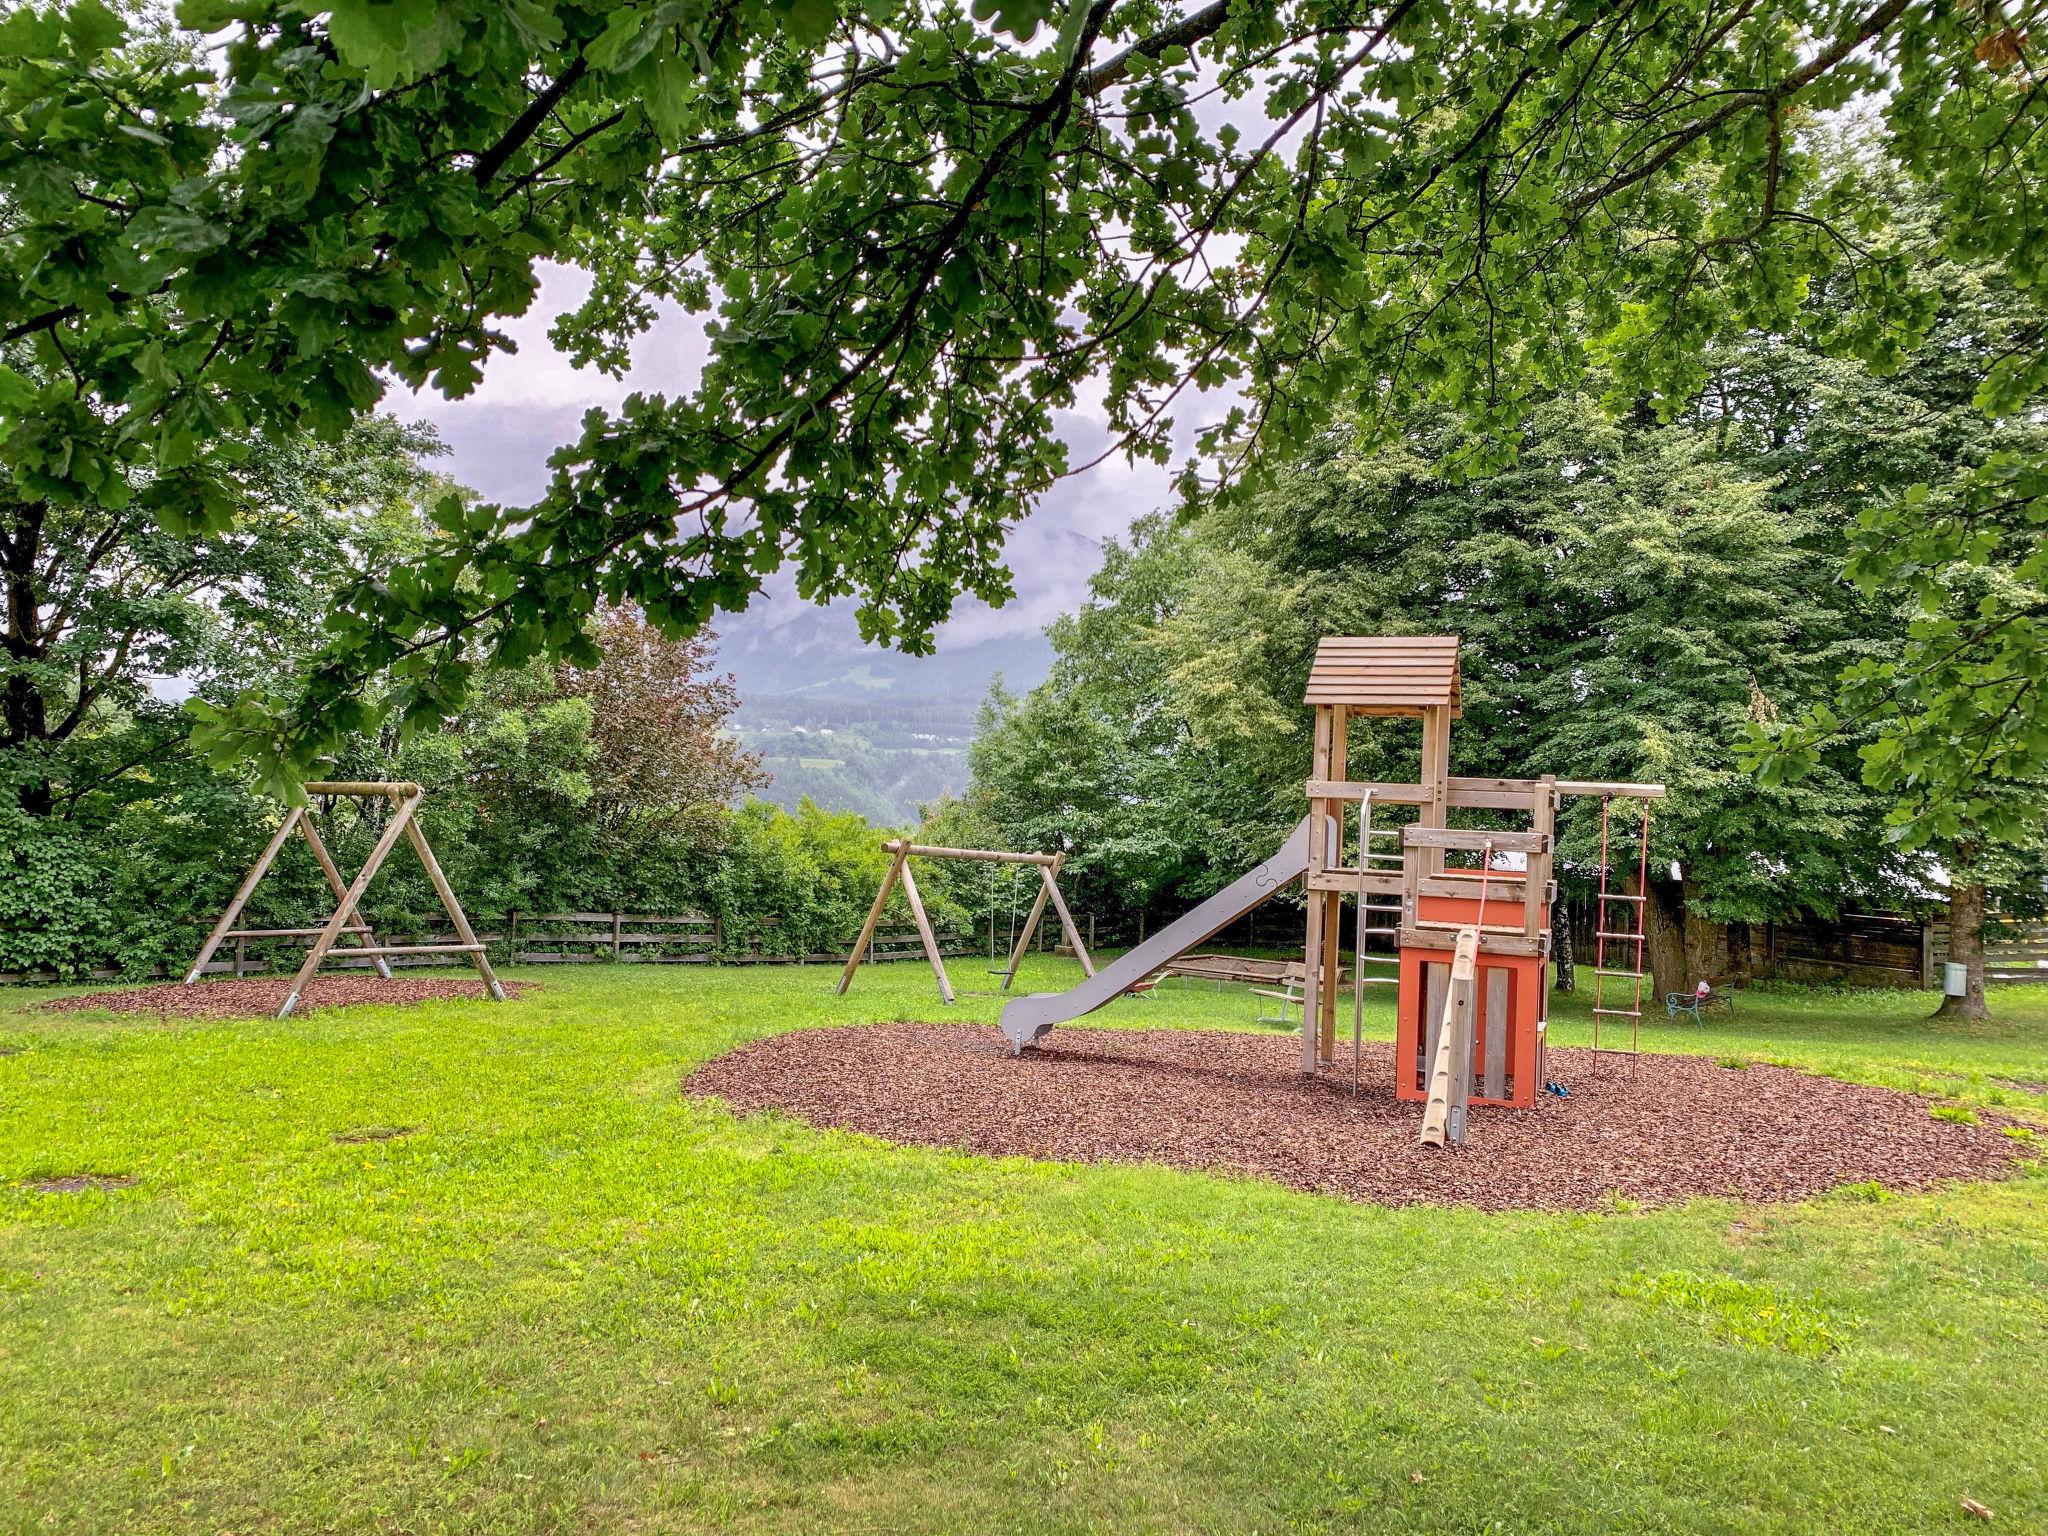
column 532, row 401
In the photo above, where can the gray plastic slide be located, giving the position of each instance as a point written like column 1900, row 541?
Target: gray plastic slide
column 1027, row 1019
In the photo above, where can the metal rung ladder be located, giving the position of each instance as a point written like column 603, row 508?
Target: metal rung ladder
column 1367, row 854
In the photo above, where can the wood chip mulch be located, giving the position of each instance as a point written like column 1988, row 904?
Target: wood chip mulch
column 255, row 997
column 1664, row 1129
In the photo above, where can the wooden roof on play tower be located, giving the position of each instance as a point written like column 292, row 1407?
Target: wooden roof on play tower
column 1385, row 674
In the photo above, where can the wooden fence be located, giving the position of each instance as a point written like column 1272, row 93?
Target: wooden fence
column 1890, row 949
column 1863, row 949
column 1859, row 949
column 563, row 938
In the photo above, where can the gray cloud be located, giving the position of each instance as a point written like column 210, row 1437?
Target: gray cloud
column 532, row 401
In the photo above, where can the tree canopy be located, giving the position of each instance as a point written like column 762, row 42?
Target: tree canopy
column 923, row 234
column 1637, row 597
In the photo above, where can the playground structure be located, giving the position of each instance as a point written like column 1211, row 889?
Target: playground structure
column 346, row 919
column 1470, row 939
column 903, row 850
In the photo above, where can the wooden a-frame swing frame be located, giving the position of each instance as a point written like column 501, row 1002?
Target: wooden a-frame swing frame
column 903, row 850
column 345, row 919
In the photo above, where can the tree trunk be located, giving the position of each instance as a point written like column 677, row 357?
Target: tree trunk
column 1706, row 945
column 1966, row 948
column 24, row 719
column 1664, row 920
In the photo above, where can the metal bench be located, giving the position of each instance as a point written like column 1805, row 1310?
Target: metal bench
column 1719, row 994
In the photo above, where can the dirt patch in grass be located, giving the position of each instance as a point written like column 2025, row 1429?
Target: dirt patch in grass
column 371, row 1133
column 256, row 997
column 1660, row 1130
column 78, row 1183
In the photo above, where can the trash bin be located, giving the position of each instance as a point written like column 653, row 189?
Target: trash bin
column 1955, row 978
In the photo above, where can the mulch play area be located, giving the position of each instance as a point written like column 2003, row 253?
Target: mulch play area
column 1664, row 1129
column 255, row 997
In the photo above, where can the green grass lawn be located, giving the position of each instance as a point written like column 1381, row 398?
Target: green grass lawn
column 569, row 1299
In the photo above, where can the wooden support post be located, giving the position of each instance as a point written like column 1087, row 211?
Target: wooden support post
column 1059, row 903
column 1436, row 775
column 924, row 932
column 1536, row 874
column 865, row 943
column 1333, row 901
column 343, row 913
column 243, row 892
column 454, row 908
column 339, row 886
column 1315, row 939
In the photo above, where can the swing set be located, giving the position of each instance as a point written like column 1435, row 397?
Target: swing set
column 346, row 920
column 1048, row 866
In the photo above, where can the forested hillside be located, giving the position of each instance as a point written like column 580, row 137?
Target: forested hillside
column 855, row 727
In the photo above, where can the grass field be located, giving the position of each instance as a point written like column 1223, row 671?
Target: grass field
column 568, row 1299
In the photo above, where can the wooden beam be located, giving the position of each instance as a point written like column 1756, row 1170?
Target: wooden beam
column 1382, row 794
column 393, row 830
column 288, row 933
column 361, row 788
column 1436, row 770
column 1619, row 791
column 1059, row 902
column 984, row 855
column 1543, row 822
column 1475, row 841
column 1333, row 901
column 454, row 910
column 1495, row 941
column 867, row 929
column 1452, row 882
column 336, row 884
column 1046, row 879
column 1312, row 946
column 924, row 932
column 419, row 949
column 1459, row 796
column 221, row 929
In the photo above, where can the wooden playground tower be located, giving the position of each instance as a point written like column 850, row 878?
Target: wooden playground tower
column 1472, row 940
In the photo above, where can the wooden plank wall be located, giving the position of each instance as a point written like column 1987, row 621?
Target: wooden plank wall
column 1857, row 949
column 1864, row 949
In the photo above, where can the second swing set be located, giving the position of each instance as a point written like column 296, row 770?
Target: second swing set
column 902, row 850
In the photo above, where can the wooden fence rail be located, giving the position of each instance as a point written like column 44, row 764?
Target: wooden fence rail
column 1869, row 949
column 564, row 938
column 1864, row 949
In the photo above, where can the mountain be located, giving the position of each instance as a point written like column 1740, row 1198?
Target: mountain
column 790, row 649
column 856, row 727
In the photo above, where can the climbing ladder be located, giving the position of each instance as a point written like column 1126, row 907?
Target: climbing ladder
column 1374, row 922
column 1606, row 931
